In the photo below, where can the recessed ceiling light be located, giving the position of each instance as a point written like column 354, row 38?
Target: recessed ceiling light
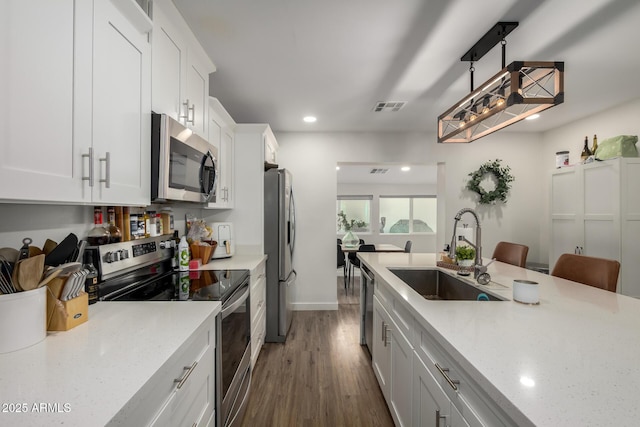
column 310, row 119
column 533, row 117
column 337, row 168
column 405, row 168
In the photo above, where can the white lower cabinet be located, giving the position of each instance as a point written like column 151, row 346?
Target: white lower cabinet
column 392, row 361
column 258, row 297
column 422, row 383
column 182, row 391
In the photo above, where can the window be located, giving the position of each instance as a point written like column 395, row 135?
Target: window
column 408, row 214
column 353, row 213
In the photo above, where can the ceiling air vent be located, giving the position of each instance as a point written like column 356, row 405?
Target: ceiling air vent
column 391, row 106
column 379, row 171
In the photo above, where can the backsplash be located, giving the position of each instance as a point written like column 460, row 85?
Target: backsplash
column 55, row 222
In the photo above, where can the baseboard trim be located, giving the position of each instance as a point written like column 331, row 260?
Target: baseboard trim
column 313, row 306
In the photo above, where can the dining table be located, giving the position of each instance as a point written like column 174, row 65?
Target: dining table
column 380, row 247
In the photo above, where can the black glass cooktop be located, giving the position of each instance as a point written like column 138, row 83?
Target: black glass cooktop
column 155, row 285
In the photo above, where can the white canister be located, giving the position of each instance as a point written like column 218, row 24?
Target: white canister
column 526, row 291
column 562, row 159
column 23, row 319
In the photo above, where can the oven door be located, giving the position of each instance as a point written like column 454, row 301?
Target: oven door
column 184, row 165
column 235, row 356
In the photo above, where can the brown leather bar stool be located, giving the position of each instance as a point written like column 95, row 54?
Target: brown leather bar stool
column 511, row 253
column 597, row 272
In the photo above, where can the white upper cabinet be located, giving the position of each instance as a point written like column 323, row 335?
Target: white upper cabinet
column 75, row 87
column 41, row 137
column 180, row 70
column 222, row 136
column 121, row 109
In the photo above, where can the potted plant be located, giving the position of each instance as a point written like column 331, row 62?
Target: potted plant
column 465, row 255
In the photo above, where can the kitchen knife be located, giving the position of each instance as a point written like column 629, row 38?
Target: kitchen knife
column 68, row 286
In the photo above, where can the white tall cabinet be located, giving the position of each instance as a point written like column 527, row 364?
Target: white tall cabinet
column 75, row 116
column 181, row 70
column 248, row 182
column 595, row 211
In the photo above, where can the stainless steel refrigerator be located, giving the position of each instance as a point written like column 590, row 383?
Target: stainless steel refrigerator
column 279, row 242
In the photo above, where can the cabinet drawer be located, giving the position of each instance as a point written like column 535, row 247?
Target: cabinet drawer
column 258, row 273
column 258, row 298
column 475, row 405
column 400, row 315
column 258, row 333
column 194, row 400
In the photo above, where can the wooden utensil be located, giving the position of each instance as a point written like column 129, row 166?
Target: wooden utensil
column 49, row 245
column 10, row 254
column 34, row 250
column 28, row 272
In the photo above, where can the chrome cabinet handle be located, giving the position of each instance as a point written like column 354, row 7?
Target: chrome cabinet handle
column 437, row 417
column 188, row 109
column 387, row 341
column 189, row 370
column 90, row 157
column 384, row 331
column 107, row 169
column 452, row 383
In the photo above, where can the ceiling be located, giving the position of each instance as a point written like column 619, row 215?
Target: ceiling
column 280, row 60
column 386, row 173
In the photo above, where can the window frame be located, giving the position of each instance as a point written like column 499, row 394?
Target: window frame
column 368, row 197
column 411, row 199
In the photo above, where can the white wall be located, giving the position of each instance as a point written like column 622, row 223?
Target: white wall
column 620, row 120
column 420, row 242
column 312, row 158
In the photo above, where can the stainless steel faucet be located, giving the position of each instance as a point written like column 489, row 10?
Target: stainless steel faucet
column 477, row 270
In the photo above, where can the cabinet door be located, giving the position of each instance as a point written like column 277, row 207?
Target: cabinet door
column 43, row 45
column 431, row 406
column 566, row 213
column 169, row 67
column 401, row 377
column 226, row 156
column 197, row 95
column 121, row 109
column 381, row 357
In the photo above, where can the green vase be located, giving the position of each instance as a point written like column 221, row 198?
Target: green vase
column 350, row 239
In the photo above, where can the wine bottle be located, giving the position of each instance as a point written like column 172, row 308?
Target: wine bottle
column 98, row 235
column 594, row 147
column 114, row 230
column 586, row 152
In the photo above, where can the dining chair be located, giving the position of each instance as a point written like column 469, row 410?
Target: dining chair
column 354, row 262
column 407, row 246
column 597, row 272
column 511, row 253
column 353, row 259
column 342, row 263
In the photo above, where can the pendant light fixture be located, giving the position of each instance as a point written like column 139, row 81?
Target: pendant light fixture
column 519, row 90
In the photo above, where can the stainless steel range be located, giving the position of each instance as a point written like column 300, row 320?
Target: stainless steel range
column 140, row 270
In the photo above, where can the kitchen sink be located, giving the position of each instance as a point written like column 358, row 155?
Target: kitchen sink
column 437, row 285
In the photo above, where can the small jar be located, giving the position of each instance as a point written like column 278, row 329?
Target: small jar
column 159, row 227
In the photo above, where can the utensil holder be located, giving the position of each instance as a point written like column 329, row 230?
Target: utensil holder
column 65, row 315
column 22, row 319
column 203, row 252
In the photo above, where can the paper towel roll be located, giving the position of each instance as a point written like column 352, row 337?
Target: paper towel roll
column 467, row 232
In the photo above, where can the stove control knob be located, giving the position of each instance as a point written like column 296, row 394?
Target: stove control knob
column 124, row 254
column 111, row 257
column 163, row 245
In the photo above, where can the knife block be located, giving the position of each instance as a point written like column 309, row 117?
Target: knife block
column 65, row 315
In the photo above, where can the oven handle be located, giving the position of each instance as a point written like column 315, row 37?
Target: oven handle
column 244, row 400
column 234, row 302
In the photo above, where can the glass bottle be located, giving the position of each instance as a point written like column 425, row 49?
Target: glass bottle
column 91, row 281
column 594, row 147
column 586, row 152
column 98, row 235
column 115, row 235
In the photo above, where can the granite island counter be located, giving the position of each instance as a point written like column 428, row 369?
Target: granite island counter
column 571, row 360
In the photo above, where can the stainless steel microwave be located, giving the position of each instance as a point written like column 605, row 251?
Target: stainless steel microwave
column 184, row 166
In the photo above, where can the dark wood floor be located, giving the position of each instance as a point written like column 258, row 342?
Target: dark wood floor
column 321, row 376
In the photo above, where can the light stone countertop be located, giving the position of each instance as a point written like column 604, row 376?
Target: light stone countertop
column 236, row 262
column 89, row 373
column 580, row 347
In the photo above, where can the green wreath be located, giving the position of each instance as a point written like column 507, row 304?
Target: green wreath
column 503, row 177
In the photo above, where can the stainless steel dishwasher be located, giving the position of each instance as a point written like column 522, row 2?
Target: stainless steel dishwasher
column 366, row 308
